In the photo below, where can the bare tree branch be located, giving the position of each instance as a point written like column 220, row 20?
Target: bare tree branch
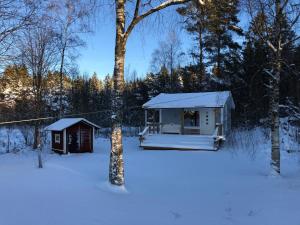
column 137, row 18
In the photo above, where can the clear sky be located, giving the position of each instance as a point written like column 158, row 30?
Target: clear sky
column 98, row 55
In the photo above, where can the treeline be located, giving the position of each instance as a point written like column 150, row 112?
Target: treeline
column 40, row 37
column 91, row 95
column 222, row 57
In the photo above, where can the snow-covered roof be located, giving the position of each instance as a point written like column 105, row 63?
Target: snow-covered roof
column 190, row 100
column 67, row 122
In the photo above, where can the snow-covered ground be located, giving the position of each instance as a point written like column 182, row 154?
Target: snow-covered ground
column 226, row 187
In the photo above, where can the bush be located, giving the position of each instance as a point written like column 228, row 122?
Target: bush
column 248, row 141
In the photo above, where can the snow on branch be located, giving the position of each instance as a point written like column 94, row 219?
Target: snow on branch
column 271, row 46
column 292, row 109
column 270, row 74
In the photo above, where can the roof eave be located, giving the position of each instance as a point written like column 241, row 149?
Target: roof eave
column 82, row 120
column 90, row 123
column 185, row 107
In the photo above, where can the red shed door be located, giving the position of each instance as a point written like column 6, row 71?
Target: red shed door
column 73, row 141
column 85, row 139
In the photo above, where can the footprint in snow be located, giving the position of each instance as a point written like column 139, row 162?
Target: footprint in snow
column 176, row 214
column 253, row 212
column 228, row 211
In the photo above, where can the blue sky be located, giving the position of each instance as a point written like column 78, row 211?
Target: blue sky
column 98, row 55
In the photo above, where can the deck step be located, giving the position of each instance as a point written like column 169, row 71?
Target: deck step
column 170, row 141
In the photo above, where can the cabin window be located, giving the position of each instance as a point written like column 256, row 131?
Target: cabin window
column 191, row 118
column 57, row 138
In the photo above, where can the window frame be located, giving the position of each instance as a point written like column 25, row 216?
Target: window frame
column 57, row 138
column 193, row 116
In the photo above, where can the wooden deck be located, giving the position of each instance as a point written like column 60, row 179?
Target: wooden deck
column 180, row 142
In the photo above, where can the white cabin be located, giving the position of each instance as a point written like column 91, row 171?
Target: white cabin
column 195, row 121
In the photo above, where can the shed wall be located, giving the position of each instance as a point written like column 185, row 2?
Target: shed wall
column 57, row 146
column 84, row 135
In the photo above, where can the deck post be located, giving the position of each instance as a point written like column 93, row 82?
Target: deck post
column 222, row 120
column 146, row 115
column 182, row 121
column 160, row 120
column 199, row 118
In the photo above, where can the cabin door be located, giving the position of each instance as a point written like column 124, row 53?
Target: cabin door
column 207, row 121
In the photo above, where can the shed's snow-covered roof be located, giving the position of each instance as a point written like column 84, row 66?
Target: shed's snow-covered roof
column 67, row 122
column 190, row 100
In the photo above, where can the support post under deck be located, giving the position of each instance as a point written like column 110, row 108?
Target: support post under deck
column 182, row 121
column 160, row 120
column 146, row 117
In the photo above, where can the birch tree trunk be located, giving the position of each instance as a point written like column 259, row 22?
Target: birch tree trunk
column 61, row 82
column 40, row 161
column 275, row 121
column 116, row 167
column 38, row 105
column 275, row 92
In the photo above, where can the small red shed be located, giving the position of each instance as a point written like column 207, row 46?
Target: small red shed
column 74, row 135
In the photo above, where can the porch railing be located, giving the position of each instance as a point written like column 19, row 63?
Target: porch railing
column 151, row 128
column 154, row 127
column 217, row 135
column 220, row 127
column 144, row 133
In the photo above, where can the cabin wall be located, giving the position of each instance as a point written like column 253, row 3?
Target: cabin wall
column 218, row 115
column 207, row 121
column 219, row 119
column 57, row 146
column 227, row 118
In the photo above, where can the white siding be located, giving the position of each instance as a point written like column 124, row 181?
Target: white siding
column 228, row 118
column 225, row 121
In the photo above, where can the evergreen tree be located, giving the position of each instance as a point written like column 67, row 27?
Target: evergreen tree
column 95, row 89
column 95, row 84
column 152, row 85
column 190, row 79
column 221, row 25
column 196, row 23
column 106, row 99
column 164, row 80
column 15, row 85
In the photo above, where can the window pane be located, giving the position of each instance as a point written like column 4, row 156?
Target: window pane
column 191, row 118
